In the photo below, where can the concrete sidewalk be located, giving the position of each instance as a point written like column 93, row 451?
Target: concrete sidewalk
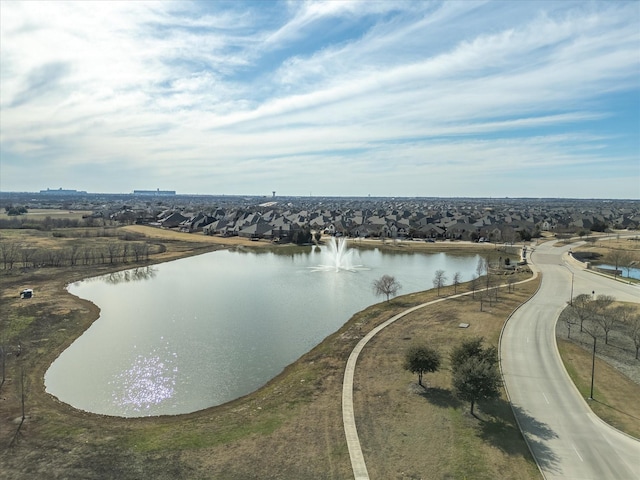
column 358, row 463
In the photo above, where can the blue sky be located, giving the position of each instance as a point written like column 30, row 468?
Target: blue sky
column 339, row 98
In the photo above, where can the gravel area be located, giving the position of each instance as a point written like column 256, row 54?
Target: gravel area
column 619, row 352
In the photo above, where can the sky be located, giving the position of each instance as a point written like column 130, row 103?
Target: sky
column 337, row 98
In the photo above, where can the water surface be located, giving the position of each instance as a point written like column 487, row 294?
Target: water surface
column 201, row 331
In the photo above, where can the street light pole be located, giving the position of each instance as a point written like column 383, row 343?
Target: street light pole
column 571, row 298
column 593, row 366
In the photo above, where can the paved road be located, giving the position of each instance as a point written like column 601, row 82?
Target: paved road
column 566, row 438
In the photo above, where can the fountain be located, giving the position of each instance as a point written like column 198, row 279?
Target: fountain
column 338, row 257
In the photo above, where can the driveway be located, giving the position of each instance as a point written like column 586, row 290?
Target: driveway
column 567, row 440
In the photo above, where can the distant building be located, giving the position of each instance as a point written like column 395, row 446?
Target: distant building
column 154, row 192
column 61, row 191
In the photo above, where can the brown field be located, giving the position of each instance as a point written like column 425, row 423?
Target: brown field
column 605, row 247
column 409, row 432
column 41, row 213
column 289, row 429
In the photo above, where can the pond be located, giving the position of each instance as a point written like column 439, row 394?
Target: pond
column 201, row 331
column 631, row 272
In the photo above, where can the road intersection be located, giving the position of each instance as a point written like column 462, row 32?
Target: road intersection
column 567, row 440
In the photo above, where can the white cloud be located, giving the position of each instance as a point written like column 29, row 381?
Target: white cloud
column 431, row 88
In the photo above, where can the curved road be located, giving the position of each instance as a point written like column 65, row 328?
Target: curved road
column 567, row 440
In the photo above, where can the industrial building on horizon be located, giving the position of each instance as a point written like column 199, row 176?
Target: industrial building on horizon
column 154, row 192
column 61, row 191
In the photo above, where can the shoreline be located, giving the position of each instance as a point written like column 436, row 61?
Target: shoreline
column 280, row 406
column 86, row 312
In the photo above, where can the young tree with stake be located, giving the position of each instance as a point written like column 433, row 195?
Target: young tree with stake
column 439, row 280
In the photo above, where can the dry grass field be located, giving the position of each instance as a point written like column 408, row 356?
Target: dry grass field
column 411, row 432
column 616, row 397
column 41, row 213
column 603, row 250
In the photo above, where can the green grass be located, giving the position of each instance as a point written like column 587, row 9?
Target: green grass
column 186, row 436
column 15, row 325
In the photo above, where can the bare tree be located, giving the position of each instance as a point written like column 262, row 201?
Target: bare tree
column 487, row 270
column 386, row 285
column 28, row 255
column 439, row 280
column 138, row 251
column 87, row 255
column 634, row 332
column 603, row 315
column 53, row 257
column 8, row 253
column 16, row 435
column 482, row 267
column 73, row 253
column 617, row 258
column 113, row 250
column 456, row 281
column 570, row 319
column 617, row 316
column 581, row 308
column 483, row 295
column 628, row 262
column 494, row 292
column 473, row 286
column 125, row 252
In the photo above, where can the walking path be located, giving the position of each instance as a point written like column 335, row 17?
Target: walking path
column 348, row 417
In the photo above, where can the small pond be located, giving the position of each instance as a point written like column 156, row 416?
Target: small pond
column 201, row 331
column 623, row 271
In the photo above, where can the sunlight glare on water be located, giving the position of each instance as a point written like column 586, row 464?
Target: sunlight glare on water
column 149, row 381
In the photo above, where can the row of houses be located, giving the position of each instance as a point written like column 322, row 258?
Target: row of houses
column 282, row 222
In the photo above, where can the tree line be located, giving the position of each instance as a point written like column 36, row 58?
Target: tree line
column 49, row 223
column 17, row 255
column 600, row 318
column 484, row 284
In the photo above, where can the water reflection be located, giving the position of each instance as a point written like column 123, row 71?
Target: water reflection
column 133, row 275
